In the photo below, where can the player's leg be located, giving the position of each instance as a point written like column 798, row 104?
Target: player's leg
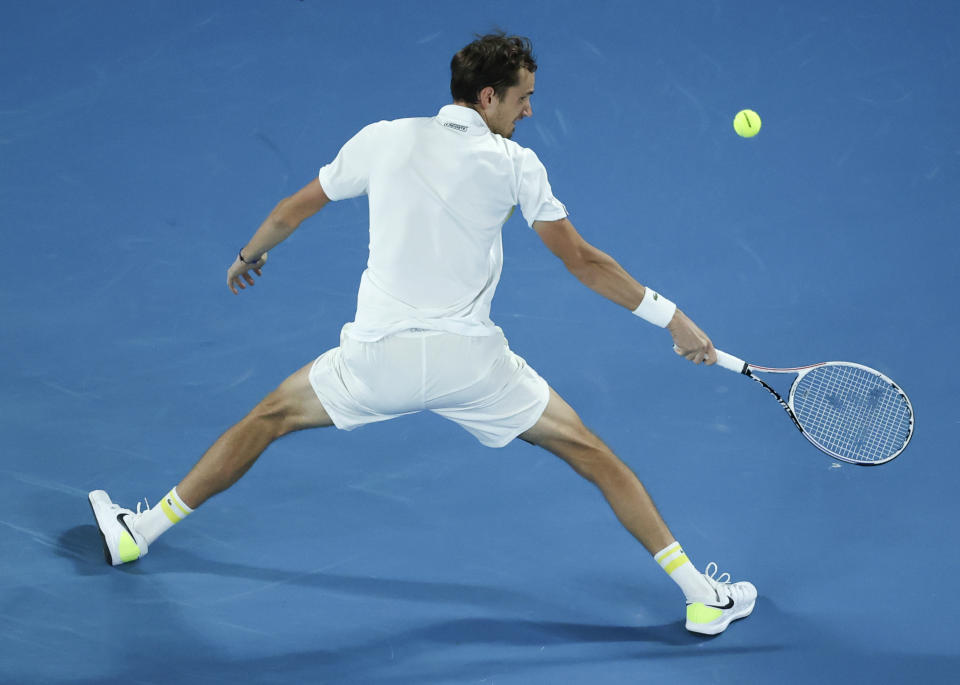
column 711, row 603
column 291, row 407
column 561, row 432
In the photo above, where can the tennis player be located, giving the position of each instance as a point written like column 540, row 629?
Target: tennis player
column 440, row 189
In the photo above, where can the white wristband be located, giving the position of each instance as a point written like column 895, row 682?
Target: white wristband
column 655, row 308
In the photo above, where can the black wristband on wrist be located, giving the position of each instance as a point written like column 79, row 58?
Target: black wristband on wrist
column 240, row 257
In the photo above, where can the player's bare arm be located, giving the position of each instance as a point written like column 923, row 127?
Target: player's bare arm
column 601, row 273
column 285, row 218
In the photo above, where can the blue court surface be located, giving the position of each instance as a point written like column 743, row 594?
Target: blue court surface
column 141, row 143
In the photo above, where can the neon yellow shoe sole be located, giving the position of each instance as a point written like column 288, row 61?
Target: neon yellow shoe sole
column 713, row 619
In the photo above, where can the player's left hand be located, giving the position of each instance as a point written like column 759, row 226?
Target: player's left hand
column 689, row 341
column 240, row 272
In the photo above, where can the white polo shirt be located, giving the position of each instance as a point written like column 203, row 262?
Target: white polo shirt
column 440, row 190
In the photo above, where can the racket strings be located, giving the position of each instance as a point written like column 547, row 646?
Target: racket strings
column 852, row 413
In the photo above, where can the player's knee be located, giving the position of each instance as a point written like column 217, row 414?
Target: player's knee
column 586, row 440
column 274, row 415
column 589, row 455
column 600, row 464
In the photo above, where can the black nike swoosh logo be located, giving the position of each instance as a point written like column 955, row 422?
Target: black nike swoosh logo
column 728, row 605
column 123, row 523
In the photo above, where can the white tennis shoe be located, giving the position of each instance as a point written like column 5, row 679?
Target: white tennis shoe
column 121, row 541
column 734, row 600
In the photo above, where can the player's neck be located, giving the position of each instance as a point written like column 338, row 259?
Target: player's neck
column 475, row 108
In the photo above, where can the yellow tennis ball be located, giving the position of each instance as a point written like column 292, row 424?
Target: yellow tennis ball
column 746, row 123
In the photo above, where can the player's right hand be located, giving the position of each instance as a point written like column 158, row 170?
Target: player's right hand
column 240, row 272
column 689, row 341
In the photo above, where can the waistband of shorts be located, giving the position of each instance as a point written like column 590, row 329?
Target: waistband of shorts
column 417, row 333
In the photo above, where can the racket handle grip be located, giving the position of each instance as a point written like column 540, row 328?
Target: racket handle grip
column 731, row 363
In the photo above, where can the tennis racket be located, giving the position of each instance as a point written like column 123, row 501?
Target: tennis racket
column 850, row 411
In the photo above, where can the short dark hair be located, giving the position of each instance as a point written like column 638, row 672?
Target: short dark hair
column 491, row 60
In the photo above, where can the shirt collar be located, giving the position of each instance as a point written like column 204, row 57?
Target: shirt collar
column 462, row 120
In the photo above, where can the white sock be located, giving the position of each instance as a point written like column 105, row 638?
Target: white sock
column 155, row 521
column 674, row 561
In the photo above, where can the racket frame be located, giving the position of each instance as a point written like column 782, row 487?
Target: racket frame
column 737, row 365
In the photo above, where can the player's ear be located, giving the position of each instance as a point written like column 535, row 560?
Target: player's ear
column 485, row 97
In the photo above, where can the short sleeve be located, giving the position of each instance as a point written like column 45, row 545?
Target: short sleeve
column 535, row 196
column 348, row 175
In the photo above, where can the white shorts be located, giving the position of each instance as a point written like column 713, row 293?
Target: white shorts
column 475, row 381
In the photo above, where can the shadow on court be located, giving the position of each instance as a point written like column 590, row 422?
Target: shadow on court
column 452, row 651
column 81, row 544
column 446, row 650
